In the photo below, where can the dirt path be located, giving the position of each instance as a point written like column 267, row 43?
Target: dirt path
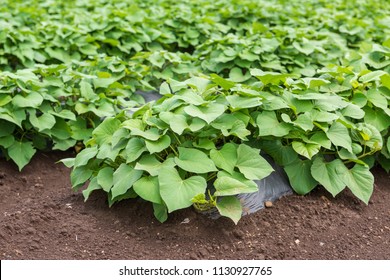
column 41, row 218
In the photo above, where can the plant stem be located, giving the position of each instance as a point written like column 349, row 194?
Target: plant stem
column 177, row 138
column 212, row 176
column 174, row 151
column 160, row 158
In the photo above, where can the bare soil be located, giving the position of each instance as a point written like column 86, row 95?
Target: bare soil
column 42, row 218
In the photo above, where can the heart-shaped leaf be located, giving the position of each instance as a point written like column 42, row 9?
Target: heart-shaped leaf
column 207, row 113
column 299, row 174
column 225, row 158
column 193, row 160
column 251, row 164
column 149, row 189
column 124, row 178
column 21, row 153
column 230, row 207
column 329, row 174
column 360, row 181
column 228, row 185
column 176, row 192
column 339, row 136
column 32, row 99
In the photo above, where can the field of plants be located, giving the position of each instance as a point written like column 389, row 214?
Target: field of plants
column 306, row 82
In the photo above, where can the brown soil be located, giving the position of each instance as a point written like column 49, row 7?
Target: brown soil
column 42, row 218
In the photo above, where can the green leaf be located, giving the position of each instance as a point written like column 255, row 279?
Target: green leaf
column 191, row 98
column 321, row 116
column 315, row 82
column 376, row 98
column 80, row 130
column 59, row 54
column 241, row 102
column 269, row 77
column 106, row 151
column 339, row 135
column 269, row 125
column 160, row 212
column 356, row 148
column 32, row 100
column 7, row 141
column 85, row 155
column 7, row 128
column 236, row 75
column 306, row 47
column 225, row 158
column 16, row 117
column 149, row 189
column 79, row 176
column 60, row 130
column 369, row 136
column 230, row 207
column 157, row 59
column 45, row 121
column 388, row 144
column 377, row 118
column 104, row 132
column 165, row 89
column 304, row 121
column 176, row 192
column 372, row 76
column 251, row 164
column 65, row 114
column 150, row 134
column 197, row 124
column 130, row 193
column 208, row 113
column 360, row 181
column 105, row 178
column 384, row 162
column 238, row 129
column 204, row 143
column 124, row 178
column 87, row 91
column 134, row 149
column 282, row 155
column 225, row 84
column 178, row 123
column 226, row 185
column 247, row 55
column 5, row 99
column 321, row 139
column 299, row 174
column 104, row 82
column 307, row 150
column 92, row 186
column 148, row 163
column 193, row 160
column 359, row 99
column 353, row 111
column 159, row 145
column 329, row 174
column 63, row 145
column 120, row 135
column 68, row 162
column 21, row 153
column 385, row 79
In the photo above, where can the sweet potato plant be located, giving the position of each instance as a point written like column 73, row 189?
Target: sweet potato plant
column 306, row 82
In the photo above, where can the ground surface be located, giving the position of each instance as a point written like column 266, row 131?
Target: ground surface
column 41, row 218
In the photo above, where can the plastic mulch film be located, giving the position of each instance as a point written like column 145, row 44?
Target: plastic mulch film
column 271, row 188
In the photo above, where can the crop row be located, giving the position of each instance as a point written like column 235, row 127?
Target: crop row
column 307, row 83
